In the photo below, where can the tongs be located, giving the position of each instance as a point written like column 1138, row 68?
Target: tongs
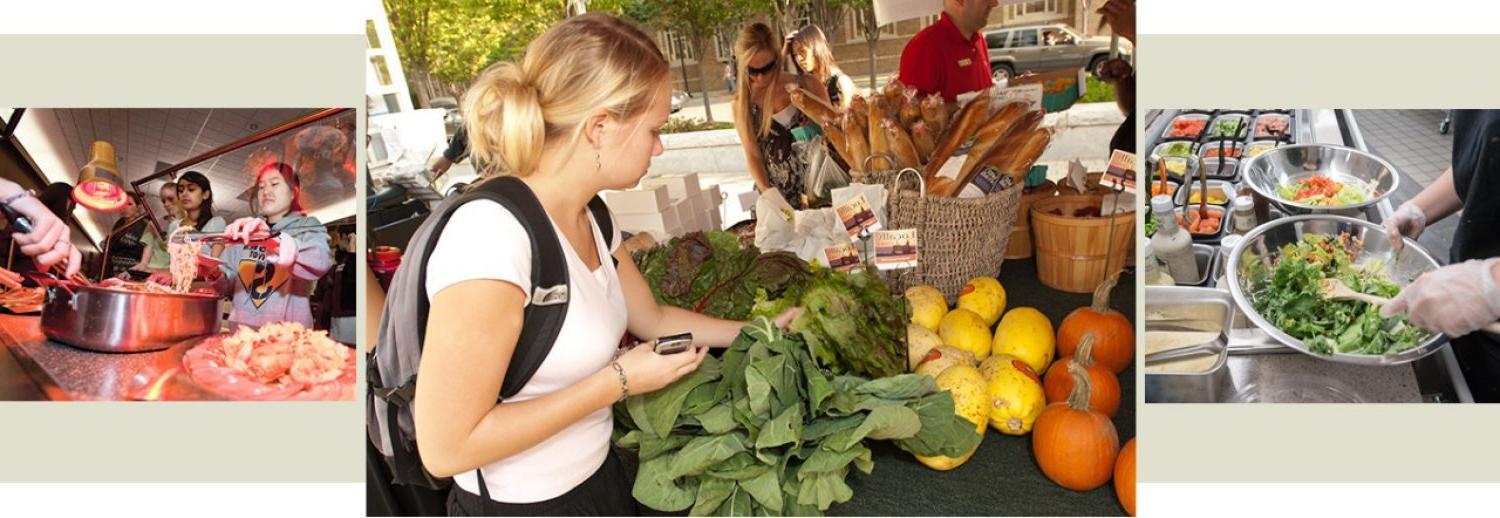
column 215, row 238
column 22, row 225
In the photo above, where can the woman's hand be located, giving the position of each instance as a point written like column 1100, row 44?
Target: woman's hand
column 49, row 241
column 243, row 228
column 286, row 251
column 1119, row 15
column 162, row 278
column 1407, row 221
column 646, row 371
column 786, row 317
column 1454, row 300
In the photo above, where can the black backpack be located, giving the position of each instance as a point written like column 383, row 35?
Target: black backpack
column 392, row 366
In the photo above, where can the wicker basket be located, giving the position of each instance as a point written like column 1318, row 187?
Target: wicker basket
column 1075, row 254
column 959, row 238
column 1020, row 246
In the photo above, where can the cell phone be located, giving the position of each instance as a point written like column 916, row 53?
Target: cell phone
column 673, row 344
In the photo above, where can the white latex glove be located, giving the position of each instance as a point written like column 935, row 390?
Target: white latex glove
column 286, row 252
column 1454, row 300
column 1408, row 220
column 243, row 228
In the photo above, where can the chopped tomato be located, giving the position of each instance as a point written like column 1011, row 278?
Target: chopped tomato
column 1317, row 186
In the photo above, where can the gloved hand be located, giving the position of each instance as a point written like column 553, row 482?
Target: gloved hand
column 243, row 228
column 286, row 252
column 1408, row 220
column 162, row 278
column 1454, row 300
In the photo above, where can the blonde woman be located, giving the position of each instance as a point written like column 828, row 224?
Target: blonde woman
column 764, row 114
column 810, row 52
column 580, row 113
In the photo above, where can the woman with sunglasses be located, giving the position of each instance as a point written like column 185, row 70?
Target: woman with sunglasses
column 764, row 114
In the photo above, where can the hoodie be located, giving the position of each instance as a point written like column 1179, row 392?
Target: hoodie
column 263, row 293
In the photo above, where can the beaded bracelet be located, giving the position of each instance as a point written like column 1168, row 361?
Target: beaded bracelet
column 624, row 387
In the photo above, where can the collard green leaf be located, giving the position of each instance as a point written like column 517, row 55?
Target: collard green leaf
column 712, row 493
column 942, row 433
column 654, row 487
column 785, row 428
column 704, row 451
column 653, row 446
column 661, row 408
column 823, row 489
column 905, row 386
column 766, row 489
column 717, row 420
column 700, row 399
column 825, row 426
column 825, row 461
column 742, row 466
column 758, row 390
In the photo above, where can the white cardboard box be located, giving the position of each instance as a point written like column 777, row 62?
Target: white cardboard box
column 645, row 200
column 713, row 219
column 679, row 187
column 660, row 221
column 687, row 215
column 711, row 197
column 747, row 200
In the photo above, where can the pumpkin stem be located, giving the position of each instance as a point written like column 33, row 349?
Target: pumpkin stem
column 1101, row 293
column 1085, row 354
column 1082, row 388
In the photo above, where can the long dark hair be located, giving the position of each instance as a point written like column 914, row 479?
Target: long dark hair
column 206, row 209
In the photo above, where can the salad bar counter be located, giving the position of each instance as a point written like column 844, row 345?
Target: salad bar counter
column 1272, row 281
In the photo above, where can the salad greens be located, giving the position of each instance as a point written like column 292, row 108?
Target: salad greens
column 711, row 273
column 765, row 432
column 1288, row 295
column 851, row 322
column 1227, row 127
column 1314, row 194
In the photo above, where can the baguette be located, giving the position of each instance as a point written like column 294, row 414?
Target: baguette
column 879, row 144
column 901, row 146
column 1032, row 147
column 813, row 106
column 1012, row 118
column 910, row 112
column 935, row 113
column 893, row 92
column 924, row 140
column 958, row 131
column 833, row 127
column 856, row 141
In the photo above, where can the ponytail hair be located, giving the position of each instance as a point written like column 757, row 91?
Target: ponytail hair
column 585, row 63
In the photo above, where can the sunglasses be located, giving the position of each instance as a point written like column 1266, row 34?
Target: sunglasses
column 754, row 71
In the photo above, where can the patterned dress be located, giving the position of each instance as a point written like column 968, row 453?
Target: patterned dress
column 785, row 165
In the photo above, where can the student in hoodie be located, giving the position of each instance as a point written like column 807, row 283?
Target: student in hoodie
column 271, row 283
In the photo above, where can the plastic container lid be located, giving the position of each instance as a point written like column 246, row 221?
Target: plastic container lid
column 1227, row 244
column 1244, row 203
column 1162, row 204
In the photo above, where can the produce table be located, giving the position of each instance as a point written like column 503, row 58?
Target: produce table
column 1002, row 478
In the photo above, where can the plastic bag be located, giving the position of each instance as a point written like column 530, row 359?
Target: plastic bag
column 823, row 172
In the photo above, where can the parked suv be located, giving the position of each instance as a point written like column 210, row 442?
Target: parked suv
column 1040, row 48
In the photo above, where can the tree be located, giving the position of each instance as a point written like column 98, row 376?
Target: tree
column 865, row 10
column 445, row 43
column 699, row 23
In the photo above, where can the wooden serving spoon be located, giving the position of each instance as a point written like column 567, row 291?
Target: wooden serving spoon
column 1335, row 289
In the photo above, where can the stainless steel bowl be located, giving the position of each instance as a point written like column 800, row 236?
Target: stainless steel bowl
column 1264, row 242
column 1290, row 163
column 116, row 320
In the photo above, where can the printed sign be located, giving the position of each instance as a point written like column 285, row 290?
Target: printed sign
column 1121, row 169
column 1078, row 176
column 896, row 249
column 1031, row 94
column 857, row 216
column 843, row 257
column 991, row 180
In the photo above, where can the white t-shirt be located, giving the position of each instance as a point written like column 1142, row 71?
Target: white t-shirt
column 483, row 240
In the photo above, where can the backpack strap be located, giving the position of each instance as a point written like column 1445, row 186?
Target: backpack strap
column 606, row 225
column 544, row 314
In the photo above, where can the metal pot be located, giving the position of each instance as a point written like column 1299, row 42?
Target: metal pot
column 116, row 320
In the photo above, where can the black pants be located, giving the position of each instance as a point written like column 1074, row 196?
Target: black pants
column 605, row 493
column 1479, row 359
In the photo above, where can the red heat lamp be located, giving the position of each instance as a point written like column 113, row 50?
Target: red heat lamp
column 100, row 186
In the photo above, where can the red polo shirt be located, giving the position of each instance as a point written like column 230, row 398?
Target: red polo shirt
column 940, row 59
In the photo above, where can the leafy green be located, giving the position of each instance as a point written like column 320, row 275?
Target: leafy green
column 710, row 273
column 1288, row 294
column 851, row 321
column 776, row 435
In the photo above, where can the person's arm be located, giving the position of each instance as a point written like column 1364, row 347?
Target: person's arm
column 50, row 241
column 313, row 258
column 1439, row 199
column 753, row 160
column 459, row 426
column 846, row 91
column 374, row 308
column 1119, row 15
column 145, row 262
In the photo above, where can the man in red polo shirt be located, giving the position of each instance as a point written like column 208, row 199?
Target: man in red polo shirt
column 950, row 57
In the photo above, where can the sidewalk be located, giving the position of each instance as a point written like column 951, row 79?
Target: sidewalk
column 1083, row 133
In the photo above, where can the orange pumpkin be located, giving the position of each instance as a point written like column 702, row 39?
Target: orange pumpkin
column 1105, row 396
column 1125, row 477
column 1075, row 446
column 1114, row 336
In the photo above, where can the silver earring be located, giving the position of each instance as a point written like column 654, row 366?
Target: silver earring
column 598, row 164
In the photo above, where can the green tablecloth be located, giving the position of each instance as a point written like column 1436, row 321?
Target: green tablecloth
column 1002, row 479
